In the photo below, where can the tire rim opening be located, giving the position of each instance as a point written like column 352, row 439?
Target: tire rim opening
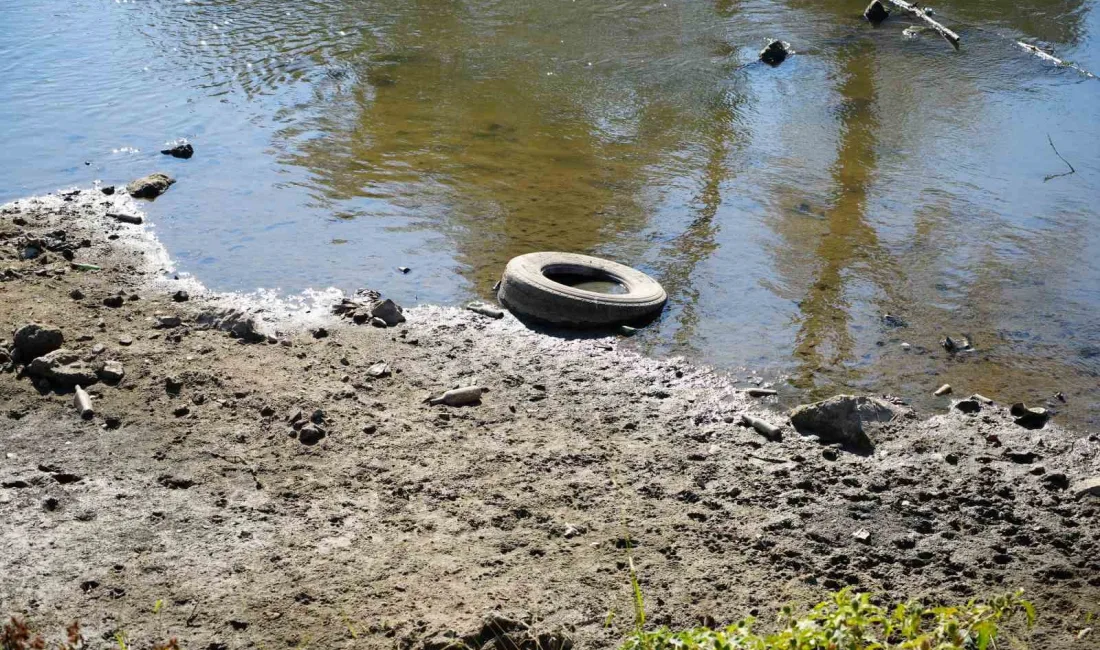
column 585, row 279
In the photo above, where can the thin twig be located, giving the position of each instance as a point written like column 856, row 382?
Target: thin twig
column 1071, row 169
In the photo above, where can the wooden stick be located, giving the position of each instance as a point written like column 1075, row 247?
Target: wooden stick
column 951, row 36
column 1046, row 56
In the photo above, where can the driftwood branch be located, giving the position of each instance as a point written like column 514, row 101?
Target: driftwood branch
column 1050, row 58
column 1071, row 169
column 951, row 36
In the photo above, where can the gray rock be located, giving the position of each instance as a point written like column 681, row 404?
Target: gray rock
column 63, row 367
column 167, row 322
column 310, row 434
column 110, row 371
column 151, row 186
column 844, row 419
column 1085, row 487
column 1029, row 418
column 239, row 324
column 377, row 322
column 33, row 340
column 182, row 150
column 378, row 370
column 388, row 311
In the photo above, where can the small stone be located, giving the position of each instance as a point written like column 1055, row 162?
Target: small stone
column 310, row 434
column 876, row 12
column 114, row 302
column 952, row 459
column 320, row 333
column 125, row 340
column 379, row 370
column 1029, row 418
column 830, row 453
column 181, row 411
column 168, row 322
column 317, row 417
column 1056, row 481
column 173, row 385
column 862, row 535
column 906, row 347
column 844, row 419
column 151, row 186
column 108, row 190
column 775, row 52
column 76, row 294
column 968, row 406
column 267, row 411
column 180, row 296
column 182, row 150
column 378, row 322
column 388, row 311
column 294, row 416
column 111, row 371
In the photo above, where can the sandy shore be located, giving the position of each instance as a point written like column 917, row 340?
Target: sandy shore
column 389, row 522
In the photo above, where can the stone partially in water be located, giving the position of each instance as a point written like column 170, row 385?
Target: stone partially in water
column 775, row 52
column 876, row 12
column 151, row 186
column 183, row 150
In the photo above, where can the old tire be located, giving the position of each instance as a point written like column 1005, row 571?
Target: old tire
column 526, row 290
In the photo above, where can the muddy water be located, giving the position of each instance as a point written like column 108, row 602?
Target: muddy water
column 786, row 210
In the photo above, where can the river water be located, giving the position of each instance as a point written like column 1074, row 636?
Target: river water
column 785, row 210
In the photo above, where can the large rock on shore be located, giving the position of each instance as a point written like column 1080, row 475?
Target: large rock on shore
column 845, row 419
column 34, row 340
column 63, row 367
column 151, row 186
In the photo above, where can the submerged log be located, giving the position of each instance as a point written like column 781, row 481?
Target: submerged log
column 951, row 36
column 1050, row 58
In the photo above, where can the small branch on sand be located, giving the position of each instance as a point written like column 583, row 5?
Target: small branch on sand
column 1071, row 169
column 951, row 36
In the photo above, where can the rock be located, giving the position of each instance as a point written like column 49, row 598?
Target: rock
column 969, row 406
column 167, row 322
column 377, row 322
column 63, row 367
column 1056, row 481
column 943, row 390
column 125, row 340
column 862, row 535
column 234, row 321
column 108, row 190
column 404, row 269
column 310, row 434
column 182, row 150
column 891, row 320
column 173, row 385
column 876, row 12
column 388, row 311
column 111, row 371
column 83, row 403
column 485, row 310
column 33, row 340
column 1029, row 418
column 180, row 296
column 151, row 186
column 181, row 411
column 761, row 392
column 843, row 419
column 320, row 333
column 775, row 52
column 379, row 370
column 317, row 417
column 114, row 302
column 76, row 294
column 1086, row 487
column 464, row 396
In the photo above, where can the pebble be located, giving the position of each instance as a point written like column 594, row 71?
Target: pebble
column 125, row 340
column 378, row 370
column 180, row 296
column 76, row 294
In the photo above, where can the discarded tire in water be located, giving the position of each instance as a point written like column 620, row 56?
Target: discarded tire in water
column 578, row 290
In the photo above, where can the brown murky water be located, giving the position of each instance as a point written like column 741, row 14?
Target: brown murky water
column 786, row 210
